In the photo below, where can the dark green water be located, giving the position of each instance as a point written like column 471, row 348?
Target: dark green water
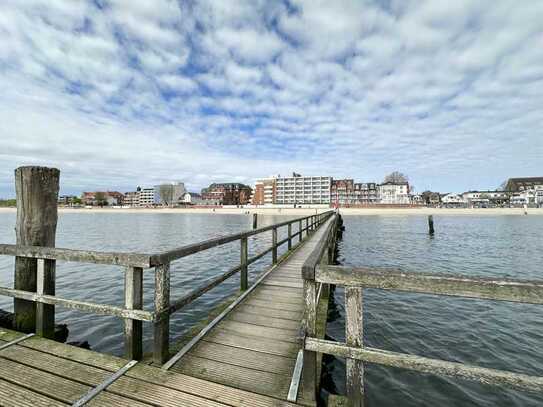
column 486, row 333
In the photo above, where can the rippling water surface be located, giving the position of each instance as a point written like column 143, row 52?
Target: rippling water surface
column 144, row 233
column 491, row 334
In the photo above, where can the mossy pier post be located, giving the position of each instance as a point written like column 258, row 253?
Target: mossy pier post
column 37, row 196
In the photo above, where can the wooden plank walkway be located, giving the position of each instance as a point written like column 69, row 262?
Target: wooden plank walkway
column 254, row 347
column 39, row 372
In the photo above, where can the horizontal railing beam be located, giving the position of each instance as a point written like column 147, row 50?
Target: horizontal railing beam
column 198, row 292
column 188, row 250
column 426, row 365
column 81, row 256
column 101, row 309
column 314, row 258
column 524, row 291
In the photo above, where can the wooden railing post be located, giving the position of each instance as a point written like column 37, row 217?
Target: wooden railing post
column 274, row 245
column 162, row 324
column 45, row 285
column 354, row 338
column 290, row 236
column 36, row 191
column 309, row 326
column 133, row 299
column 300, row 227
column 243, row 263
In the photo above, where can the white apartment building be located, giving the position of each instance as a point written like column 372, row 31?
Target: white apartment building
column 474, row 198
column 147, row 197
column 302, row 190
column 533, row 196
column 453, row 200
column 394, row 193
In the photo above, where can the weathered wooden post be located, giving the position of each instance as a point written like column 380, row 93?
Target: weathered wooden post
column 45, row 285
column 133, row 299
column 289, row 236
column 161, row 350
column 243, row 263
column 309, row 329
column 354, row 338
column 431, row 225
column 36, row 191
column 274, row 245
column 255, row 220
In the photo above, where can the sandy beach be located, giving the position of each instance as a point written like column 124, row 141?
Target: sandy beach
column 309, row 211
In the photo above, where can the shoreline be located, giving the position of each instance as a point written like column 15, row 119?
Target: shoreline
column 306, row 211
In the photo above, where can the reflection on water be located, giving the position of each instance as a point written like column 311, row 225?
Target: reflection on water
column 144, row 233
column 486, row 333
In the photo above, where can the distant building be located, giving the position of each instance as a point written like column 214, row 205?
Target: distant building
column 110, row 198
column 530, row 197
column 416, row 199
column 264, row 191
column 230, row 193
column 132, row 198
column 169, row 194
column 452, row 200
column 395, row 193
column 303, row 190
column 485, row 198
column 523, row 184
column 366, row 193
column 342, row 192
column 147, row 197
column 68, row 200
column 192, row 198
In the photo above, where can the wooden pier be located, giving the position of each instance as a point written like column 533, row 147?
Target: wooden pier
column 264, row 349
column 248, row 356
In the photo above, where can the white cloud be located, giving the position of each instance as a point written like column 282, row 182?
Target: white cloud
column 347, row 88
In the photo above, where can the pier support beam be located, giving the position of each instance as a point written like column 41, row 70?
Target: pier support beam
column 244, row 254
column 354, row 337
column 161, row 347
column 133, row 299
column 274, row 245
column 36, row 191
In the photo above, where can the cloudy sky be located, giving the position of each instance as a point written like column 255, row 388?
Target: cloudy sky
column 122, row 93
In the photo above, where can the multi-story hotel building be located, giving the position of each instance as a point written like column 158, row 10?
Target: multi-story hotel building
column 264, row 191
column 147, row 197
column 302, row 190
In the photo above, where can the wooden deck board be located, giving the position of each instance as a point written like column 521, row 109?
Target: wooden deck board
column 254, row 348
column 42, row 373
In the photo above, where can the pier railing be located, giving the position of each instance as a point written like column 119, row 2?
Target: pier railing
column 318, row 271
column 134, row 265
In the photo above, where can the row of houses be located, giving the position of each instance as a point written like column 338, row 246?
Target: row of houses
column 517, row 192
column 323, row 190
column 167, row 194
column 298, row 190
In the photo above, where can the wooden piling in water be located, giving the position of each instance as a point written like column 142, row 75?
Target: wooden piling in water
column 431, row 225
column 36, row 191
column 255, row 220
